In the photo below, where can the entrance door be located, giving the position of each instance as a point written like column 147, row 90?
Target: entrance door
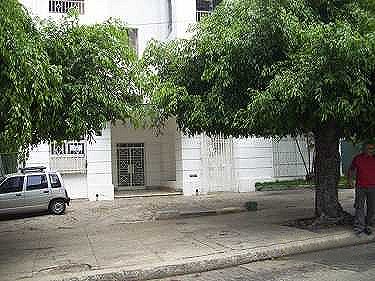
column 217, row 164
column 131, row 165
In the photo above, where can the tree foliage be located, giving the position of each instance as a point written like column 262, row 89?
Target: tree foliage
column 99, row 70
column 273, row 68
column 61, row 80
column 28, row 82
column 276, row 68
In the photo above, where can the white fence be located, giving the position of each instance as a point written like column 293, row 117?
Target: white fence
column 68, row 163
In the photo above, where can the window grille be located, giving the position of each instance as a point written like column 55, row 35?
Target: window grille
column 170, row 15
column 133, row 38
column 63, row 6
column 68, row 147
column 205, row 8
column 68, row 157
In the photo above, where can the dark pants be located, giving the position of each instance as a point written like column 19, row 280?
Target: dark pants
column 364, row 196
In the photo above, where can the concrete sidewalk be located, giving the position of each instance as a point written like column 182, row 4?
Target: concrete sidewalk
column 99, row 241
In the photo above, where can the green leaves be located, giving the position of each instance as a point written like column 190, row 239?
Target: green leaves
column 27, row 80
column 275, row 68
column 62, row 80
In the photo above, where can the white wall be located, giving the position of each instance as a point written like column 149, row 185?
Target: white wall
column 168, row 155
column 184, row 15
column 99, row 167
column 39, row 156
column 76, row 185
column 150, row 17
column 253, row 161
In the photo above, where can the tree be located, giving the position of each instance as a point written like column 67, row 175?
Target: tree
column 276, row 68
column 99, row 71
column 61, row 80
column 28, row 82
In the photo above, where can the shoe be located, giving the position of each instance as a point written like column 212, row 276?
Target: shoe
column 367, row 231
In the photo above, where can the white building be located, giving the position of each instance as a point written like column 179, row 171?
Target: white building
column 123, row 158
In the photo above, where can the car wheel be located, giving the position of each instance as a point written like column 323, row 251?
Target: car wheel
column 57, row 207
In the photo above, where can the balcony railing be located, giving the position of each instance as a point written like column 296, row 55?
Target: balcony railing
column 63, row 6
column 201, row 14
column 68, row 163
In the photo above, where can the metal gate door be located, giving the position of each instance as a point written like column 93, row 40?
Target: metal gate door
column 131, row 166
column 217, row 164
column 287, row 160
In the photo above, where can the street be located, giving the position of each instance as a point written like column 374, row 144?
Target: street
column 350, row 263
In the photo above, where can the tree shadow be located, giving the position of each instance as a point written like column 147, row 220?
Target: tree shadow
column 20, row 216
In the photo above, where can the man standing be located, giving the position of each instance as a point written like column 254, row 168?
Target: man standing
column 363, row 166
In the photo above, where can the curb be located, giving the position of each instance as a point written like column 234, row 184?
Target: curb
column 175, row 214
column 178, row 193
column 222, row 260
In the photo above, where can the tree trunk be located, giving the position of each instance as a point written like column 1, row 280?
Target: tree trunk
column 327, row 169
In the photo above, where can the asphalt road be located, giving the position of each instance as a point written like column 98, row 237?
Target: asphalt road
column 351, row 263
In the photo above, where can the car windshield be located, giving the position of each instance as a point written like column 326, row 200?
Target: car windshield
column 2, row 179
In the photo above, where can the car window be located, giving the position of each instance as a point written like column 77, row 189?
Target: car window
column 12, row 184
column 36, row 182
column 55, row 181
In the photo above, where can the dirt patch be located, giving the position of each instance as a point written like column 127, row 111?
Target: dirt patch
column 317, row 225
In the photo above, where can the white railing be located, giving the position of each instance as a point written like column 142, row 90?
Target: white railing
column 68, row 163
column 63, row 6
column 201, row 14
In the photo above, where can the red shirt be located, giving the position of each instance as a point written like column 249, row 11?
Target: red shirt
column 364, row 164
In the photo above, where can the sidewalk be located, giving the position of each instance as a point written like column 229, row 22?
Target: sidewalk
column 123, row 240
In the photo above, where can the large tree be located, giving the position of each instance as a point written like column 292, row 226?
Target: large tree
column 276, row 68
column 99, row 70
column 61, row 80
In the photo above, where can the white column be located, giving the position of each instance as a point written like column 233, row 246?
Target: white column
column 189, row 169
column 99, row 167
column 184, row 16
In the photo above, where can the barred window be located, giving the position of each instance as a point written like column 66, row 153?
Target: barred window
column 170, row 15
column 133, row 38
column 63, row 6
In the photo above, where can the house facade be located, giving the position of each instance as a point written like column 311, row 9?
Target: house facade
column 123, row 158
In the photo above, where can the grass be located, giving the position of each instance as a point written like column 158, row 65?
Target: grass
column 292, row 184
